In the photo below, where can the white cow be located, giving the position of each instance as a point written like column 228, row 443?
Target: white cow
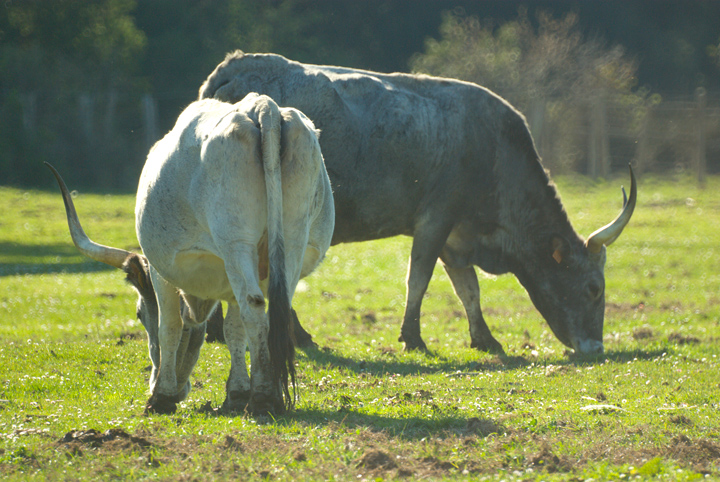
column 233, row 204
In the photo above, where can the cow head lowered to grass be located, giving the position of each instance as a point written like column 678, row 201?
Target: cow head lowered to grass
column 454, row 166
column 233, row 204
column 136, row 268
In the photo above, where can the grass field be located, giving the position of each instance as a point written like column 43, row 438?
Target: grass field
column 73, row 363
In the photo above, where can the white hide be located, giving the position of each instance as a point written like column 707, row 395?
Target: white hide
column 202, row 221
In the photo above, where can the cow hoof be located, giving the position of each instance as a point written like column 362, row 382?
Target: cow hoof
column 261, row 405
column 417, row 344
column 305, row 343
column 235, row 402
column 161, row 404
column 490, row 346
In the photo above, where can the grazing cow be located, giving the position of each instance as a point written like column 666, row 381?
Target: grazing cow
column 233, row 204
column 452, row 165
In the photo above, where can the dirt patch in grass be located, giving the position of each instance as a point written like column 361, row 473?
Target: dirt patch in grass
column 376, row 460
column 700, row 452
column 381, row 464
column 702, row 455
column 501, row 362
column 112, row 440
column 368, row 318
column 232, row 445
column 387, row 350
column 128, row 336
column 546, row 460
column 681, row 339
column 483, row 427
column 431, row 467
column 643, row 334
column 95, row 438
column 681, row 420
column 620, row 309
column 378, row 454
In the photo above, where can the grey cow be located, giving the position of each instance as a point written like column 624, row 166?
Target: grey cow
column 454, row 166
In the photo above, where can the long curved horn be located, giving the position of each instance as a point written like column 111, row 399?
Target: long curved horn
column 607, row 234
column 105, row 254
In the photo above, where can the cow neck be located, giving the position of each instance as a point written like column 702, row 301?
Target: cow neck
column 530, row 209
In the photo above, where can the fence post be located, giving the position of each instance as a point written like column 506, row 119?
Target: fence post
column 643, row 149
column 150, row 118
column 110, row 109
column 86, row 111
column 700, row 128
column 29, row 111
column 598, row 149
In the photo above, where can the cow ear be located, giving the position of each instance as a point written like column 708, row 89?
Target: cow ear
column 560, row 248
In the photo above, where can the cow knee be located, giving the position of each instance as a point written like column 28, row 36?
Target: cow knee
column 256, row 300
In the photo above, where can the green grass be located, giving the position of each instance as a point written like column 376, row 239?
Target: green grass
column 73, row 358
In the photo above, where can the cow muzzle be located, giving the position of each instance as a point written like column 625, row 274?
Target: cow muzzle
column 588, row 347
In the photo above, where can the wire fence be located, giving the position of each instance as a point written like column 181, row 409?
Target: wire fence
column 101, row 139
column 604, row 134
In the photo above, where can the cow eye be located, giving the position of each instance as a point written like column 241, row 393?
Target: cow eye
column 595, row 291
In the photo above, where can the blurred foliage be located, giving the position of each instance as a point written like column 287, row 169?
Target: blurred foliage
column 56, row 58
column 523, row 61
column 713, row 52
column 73, row 43
column 546, row 64
column 75, row 75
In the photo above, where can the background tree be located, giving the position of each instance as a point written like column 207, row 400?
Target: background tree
column 89, row 85
column 57, row 60
column 546, row 69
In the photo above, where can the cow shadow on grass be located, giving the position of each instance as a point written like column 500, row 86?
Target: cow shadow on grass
column 391, row 364
column 437, row 422
column 618, row 356
column 437, row 419
column 65, row 259
column 435, row 414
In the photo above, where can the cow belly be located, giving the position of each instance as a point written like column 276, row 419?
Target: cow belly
column 201, row 274
column 367, row 215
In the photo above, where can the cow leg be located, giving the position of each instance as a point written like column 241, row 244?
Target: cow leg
column 188, row 340
column 310, row 260
column 241, row 261
column 153, row 349
column 426, row 248
column 215, row 326
column 265, row 395
column 194, row 313
column 303, row 339
column 237, row 388
column 165, row 390
column 192, row 340
column 465, row 284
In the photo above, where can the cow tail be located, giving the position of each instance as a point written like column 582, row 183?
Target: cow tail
column 280, row 344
